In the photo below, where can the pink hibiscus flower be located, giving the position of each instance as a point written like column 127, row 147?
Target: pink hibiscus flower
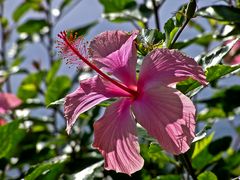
column 2, row 122
column 8, row 101
column 233, row 57
column 150, row 100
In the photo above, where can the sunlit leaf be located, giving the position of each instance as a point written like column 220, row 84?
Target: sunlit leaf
column 213, row 73
column 18, row 61
column 202, row 40
column 156, row 153
column 117, row 6
column 57, row 102
column 196, row 26
column 22, row 9
column 201, row 145
column 207, row 175
column 32, row 26
column 170, row 29
column 30, row 85
column 201, row 157
column 51, row 169
column 57, row 89
column 10, row 136
column 211, row 113
column 168, row 177
column 220, row 13
column 88, row 173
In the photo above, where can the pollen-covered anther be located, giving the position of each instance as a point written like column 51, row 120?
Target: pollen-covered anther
column 67, row 43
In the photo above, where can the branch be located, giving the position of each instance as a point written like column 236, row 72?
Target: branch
column 155, row 9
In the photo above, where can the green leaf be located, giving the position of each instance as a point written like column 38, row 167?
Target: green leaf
column 47, row 170
column 220, row 145
column 57, row 102
column 212, row 73
column 30, row 85
column 10, row 136
column 88, row 173
column 170, row 31
column 201, row 145
column 188, row 85
column 127, row 15
column 218, row 71
column 211, row 113
column 57, row 89
column 52, row 72
column 172, row 26
column 220, row 13
column 83, row 30
column 215, row 56
column 149, row 39
column 168, row 177
column 32, row 26
column 202, row 40
column 196, row 26
column 207, row 175
column 18, row 61
column 125, row 11
column 21, row 10
column 117, row 6
column 201, row 157
column 156, row 153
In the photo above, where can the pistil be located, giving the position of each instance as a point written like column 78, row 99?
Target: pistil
column 63, row 36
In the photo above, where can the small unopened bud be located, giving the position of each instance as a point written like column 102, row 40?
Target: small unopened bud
column 191, row 8
column 36, row 64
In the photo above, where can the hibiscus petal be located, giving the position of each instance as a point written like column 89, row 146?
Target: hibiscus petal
column 115, row 137
column 168, row 67
column 115, row 52
column 8, row 101
column 167, row 115
column 91, row 92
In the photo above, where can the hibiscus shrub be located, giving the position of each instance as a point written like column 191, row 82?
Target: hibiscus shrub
column 139, row 105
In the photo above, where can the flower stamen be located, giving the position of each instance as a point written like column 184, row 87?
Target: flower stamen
column 69, row 46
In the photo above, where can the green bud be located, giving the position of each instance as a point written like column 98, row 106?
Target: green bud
column 4, row 22
column 191, row 8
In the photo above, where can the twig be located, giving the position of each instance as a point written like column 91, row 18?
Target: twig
column 188, row 165
column 179, row 32
column 155, row 9
column 49, row 34
column 3, row 49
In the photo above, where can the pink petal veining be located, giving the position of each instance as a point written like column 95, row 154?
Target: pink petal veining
column 167, row 115
column 168, row 67
column 91, row 92
column 115, row 137
column 115, row 52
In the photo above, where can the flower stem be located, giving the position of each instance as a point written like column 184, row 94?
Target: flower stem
column 95, row 68
column 179, row 32
column 155, row 9
column 187, row 163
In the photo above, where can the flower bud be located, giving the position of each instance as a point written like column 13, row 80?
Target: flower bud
column 191, row 7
